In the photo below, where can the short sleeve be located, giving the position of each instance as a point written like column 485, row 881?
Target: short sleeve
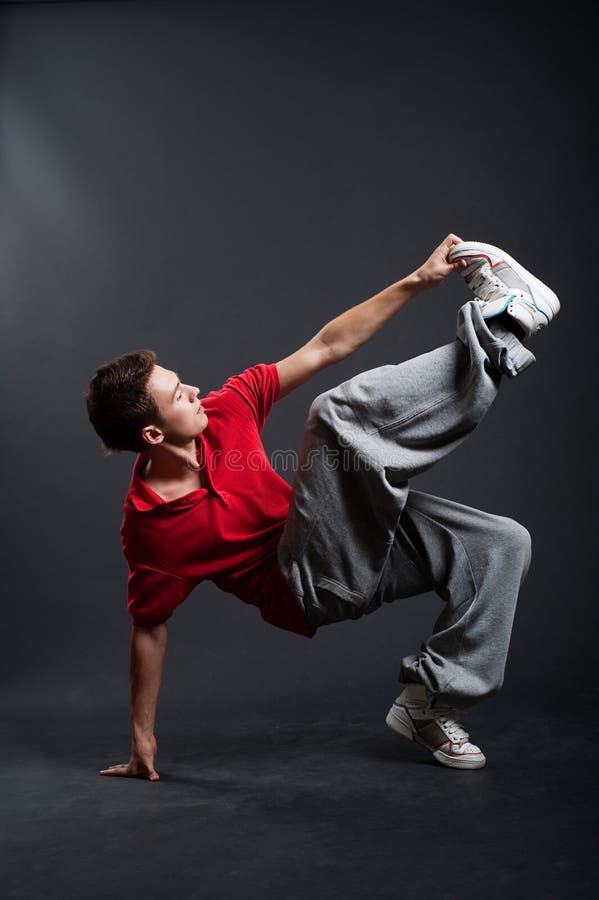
column 258, row 387
column 152, row 595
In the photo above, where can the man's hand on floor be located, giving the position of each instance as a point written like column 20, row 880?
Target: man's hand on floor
column 141, row 763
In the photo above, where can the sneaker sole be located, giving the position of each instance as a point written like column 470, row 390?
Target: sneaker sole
column 546, row 300
column 404, row 727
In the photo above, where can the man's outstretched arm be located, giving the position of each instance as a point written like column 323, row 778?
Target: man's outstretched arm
column 343, row 335
column 147, row 649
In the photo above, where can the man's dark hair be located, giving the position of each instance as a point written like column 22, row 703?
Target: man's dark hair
column 119, row 404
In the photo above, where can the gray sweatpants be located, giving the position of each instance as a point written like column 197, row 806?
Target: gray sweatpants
column 358, row 535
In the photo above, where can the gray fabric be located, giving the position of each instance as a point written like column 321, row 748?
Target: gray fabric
column 358, row 535
column 476, row 562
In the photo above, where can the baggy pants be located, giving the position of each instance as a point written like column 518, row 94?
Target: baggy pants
column 358, row 535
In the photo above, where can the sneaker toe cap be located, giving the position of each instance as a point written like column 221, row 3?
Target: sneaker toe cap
column 465, row 749
column 470, row 748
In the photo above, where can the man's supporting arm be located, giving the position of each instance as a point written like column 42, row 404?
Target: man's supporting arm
column 146, row 659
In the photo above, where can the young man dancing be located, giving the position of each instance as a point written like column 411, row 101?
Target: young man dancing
column 351, row 533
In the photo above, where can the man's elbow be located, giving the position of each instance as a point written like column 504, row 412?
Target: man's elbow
column 156, row 631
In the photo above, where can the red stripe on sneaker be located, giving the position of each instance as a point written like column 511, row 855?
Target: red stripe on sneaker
column 501, row 262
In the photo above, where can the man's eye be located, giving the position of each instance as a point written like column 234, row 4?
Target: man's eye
column 179, row 395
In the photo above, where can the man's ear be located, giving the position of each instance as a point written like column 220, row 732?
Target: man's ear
column 152, row 435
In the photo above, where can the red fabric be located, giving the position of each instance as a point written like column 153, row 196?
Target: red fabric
column 227, row 532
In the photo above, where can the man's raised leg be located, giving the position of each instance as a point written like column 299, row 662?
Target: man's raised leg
column 365, row 439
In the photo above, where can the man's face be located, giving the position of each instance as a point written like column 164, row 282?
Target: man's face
column 179, row 406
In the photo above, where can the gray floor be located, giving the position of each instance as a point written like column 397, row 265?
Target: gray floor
column 256, row 805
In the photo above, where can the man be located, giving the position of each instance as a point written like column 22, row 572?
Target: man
column 205, row 504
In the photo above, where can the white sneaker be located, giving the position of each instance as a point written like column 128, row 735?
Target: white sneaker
column 435, row 728
column 503, row 285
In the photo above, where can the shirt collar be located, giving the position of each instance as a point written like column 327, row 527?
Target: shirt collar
column 141, row 495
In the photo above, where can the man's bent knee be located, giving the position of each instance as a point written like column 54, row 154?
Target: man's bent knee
column 514, row 539
column 322, row 408
column 513, row 533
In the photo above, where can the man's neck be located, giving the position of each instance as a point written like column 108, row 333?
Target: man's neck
column 172, row 464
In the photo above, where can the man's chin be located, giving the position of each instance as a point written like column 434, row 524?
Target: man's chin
column 202, row 422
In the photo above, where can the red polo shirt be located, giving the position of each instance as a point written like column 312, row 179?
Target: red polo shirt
column 226, row 532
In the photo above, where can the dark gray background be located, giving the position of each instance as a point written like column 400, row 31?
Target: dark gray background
column 218, row 180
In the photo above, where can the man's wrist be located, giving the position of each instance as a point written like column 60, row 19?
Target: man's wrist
column 412, row 284
column 401, row 292
column 141, row 732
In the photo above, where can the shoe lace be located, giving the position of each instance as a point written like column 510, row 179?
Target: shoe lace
column 452, row 727
column 484, row 284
